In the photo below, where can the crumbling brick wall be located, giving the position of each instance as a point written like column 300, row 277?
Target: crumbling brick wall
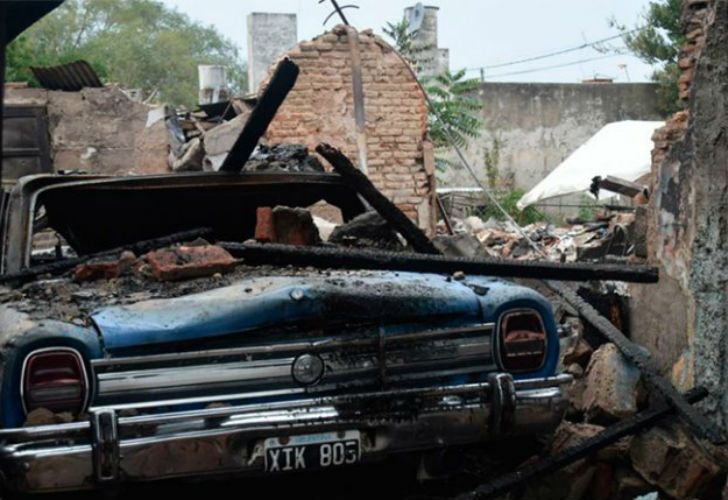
column 688, row 235
column 99, row 130
column 320, row 108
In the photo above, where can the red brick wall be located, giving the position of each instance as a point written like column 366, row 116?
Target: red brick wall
column 320, row 108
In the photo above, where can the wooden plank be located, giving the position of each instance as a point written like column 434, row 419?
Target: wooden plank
column 621, row 186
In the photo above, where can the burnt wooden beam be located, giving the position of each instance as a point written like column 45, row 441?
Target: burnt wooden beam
column 611, row 434
column 280, row 84
column 139, row 247
column 361, row 183
column 349, row 258
column 698, row 423
column 621, row 186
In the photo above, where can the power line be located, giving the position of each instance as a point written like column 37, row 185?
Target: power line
column 556, row 53
column 555, row 66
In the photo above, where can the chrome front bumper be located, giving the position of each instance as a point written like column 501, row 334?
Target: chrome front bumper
column 228, row 440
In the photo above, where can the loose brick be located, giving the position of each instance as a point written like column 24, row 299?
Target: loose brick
column 186, row 262
column 96, row 270
column 265, row 231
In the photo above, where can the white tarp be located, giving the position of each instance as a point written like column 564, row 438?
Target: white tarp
column 621, row 149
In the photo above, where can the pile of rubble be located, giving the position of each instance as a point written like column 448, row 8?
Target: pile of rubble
column 611, row 236
column 201, row 141
column 664, row 459
column 660, row 462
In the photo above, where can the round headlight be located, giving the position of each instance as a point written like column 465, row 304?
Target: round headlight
column 308, row 369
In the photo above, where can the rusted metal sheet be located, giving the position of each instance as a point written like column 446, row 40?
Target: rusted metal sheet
column 69, row 77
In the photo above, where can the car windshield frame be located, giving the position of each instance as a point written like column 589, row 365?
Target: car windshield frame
column 61, row 196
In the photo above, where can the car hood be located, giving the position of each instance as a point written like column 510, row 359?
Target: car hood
column 257, row 303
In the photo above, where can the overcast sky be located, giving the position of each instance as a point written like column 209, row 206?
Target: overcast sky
column 477, row 32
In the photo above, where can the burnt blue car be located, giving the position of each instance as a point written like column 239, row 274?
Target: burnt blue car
column 261, row 371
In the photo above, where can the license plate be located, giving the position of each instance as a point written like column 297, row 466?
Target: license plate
column 312, row 451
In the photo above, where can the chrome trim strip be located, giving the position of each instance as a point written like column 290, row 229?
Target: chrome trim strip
column 524, row 388
column 192, row 376
column 323, row 344
column 202, row 399
column 542, row 383
column 521, row 385
column 276, row 373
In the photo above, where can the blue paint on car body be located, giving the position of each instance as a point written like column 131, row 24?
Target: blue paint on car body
column 265, row 302
column 398, row 301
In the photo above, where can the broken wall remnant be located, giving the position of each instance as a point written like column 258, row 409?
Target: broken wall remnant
column 687, row 224
column 530, row 128
column 269, row 35
column 320, row 108
column 99, row 130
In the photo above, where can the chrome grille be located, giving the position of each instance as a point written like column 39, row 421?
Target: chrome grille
column 364, row 359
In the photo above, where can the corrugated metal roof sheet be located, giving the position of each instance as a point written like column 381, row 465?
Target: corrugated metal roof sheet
column 70, row 77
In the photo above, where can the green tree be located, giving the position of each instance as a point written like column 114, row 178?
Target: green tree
column 136, row 43
column 402, row 39
column 453, row 111
column 453, row 116
column 657, row 41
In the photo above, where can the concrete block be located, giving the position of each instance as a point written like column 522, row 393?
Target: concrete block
column 613, row 389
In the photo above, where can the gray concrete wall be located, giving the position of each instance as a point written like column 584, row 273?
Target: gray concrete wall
column 539, row 124
column 269, row 36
